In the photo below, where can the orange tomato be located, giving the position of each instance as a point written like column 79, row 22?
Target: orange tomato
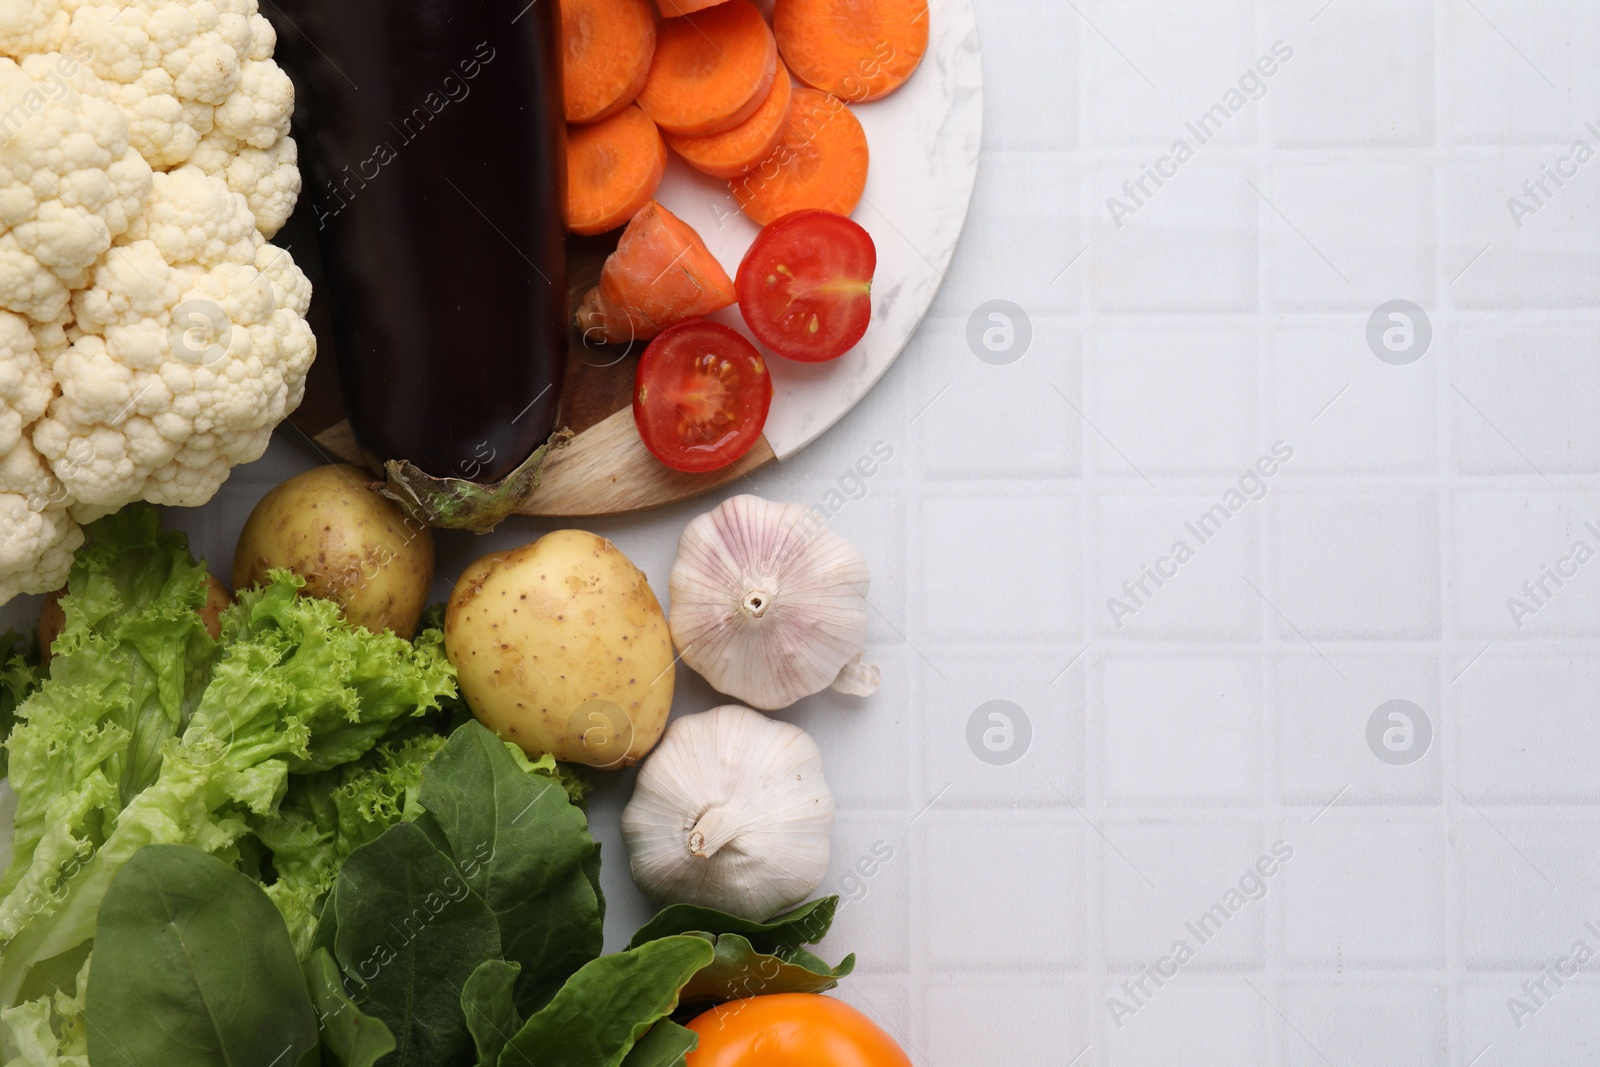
column 791, row 1030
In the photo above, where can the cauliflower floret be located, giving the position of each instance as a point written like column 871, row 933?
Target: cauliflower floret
column 69, row 182
column 36, row 547
column 185, row 69
column 31, row 26
column 25, row 389
column 190, row 352
column 268, row 178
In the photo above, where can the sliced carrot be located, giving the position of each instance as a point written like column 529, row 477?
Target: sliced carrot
column 673, row 8
column 613, row 169
column 730, row 154
column 711, row 71
column 608, row 48
column 820, row 163
column 858, row 50
column 661, row 274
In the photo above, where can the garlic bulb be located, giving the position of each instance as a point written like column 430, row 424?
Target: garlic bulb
column 731, row 811
column 769, row 605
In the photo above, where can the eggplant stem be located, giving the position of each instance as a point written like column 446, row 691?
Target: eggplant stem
column 460, row 504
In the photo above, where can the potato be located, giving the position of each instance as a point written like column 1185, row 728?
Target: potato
column 560, row 646
column 349, row 544
column 52, row 619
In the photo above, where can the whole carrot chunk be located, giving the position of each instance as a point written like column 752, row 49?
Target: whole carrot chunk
column 661, row 274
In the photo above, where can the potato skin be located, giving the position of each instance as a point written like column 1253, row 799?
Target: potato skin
column 349, row 544
column 53, row 618
column 560, row 646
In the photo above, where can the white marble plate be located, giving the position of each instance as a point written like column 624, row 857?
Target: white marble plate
column 924, row 141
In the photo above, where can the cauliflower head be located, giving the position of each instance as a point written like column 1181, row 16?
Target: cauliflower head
column 150, row 336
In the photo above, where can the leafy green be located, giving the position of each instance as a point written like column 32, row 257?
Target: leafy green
column 666, row 1045
column 19, row 677
column 193, row 966
column 351, row 1036
column 738, row 970
column 597, row 1017
column 148, row 732
column 412, row 931
column 491, row 1012
column 521, row 844
column 804, row 925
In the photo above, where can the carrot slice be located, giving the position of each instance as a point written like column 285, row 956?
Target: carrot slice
column 820, row 163
column 673, row 8
column 730, row 154
column 711, row 71
column 858, row 50
column 608, row 46
column 613, row 169
column 661, row 274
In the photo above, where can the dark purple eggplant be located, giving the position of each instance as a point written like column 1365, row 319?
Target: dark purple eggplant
column 431, row 139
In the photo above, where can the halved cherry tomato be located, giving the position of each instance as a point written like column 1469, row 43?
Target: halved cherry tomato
column 791, row 1030
column 701, row 396
column 805, row 286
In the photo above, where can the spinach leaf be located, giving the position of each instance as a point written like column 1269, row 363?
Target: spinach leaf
column 601, row 1012
column 804, row 925
column 525, row 849
column 193, row 966
column 412, row 931
column 491, row 1016
column 666, row 1045
column 349, row 1035
column 738, row 970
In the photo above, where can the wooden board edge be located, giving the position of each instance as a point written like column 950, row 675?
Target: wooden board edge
column 605, row 470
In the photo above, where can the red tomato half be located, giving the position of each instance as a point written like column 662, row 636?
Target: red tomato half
column 805, row 286
column 701, row 396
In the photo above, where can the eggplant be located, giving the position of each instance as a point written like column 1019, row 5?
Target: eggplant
column 432, row 145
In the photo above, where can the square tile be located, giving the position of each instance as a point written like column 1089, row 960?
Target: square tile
column 1332, row 1020
column 1527, row 727
column 1522, row 403
column 969, row 1020
column 1181, row 729
column 1215, row 1023
column 1179, row 566
column 1164, row 882
column 1178, row 401
column 1000, row 727
column 1504, row 1026
column 1156, row 65
column 1011, row 89
column 1364, row 891
column 1528, row 881
column 1360, row 75
column 1344, row 411
column 1190, row 246
column 1515, row 72
column 1347, row 235
column 997, row 566
column 1522, row 565
column 1000, row 889
column 1355, row 566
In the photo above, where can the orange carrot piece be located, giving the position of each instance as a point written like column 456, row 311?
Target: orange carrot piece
column 661, row 274
column 608, row 46
column 730, row 154
column 673, row 8
column 711, row 71
column 858, row 50
column 613, row 169
column 820, row 163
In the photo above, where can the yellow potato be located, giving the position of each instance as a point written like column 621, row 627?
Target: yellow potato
column 349, row 544
column 560, row 646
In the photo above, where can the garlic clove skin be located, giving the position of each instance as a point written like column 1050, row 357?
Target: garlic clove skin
column 768, row 604
column 731, row 811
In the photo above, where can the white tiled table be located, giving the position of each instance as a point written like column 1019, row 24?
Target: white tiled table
column 1229, row 711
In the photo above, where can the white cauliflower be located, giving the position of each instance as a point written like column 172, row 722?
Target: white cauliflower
column 150, row 337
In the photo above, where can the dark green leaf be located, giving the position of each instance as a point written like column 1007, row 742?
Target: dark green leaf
column 349, row 1035
column 601, row 1012
column 805, row 925
column 740, row 971
column 492, row 1016
column 412, row 932
column 666, row 1045
column 193, row 966
column 522, row 846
